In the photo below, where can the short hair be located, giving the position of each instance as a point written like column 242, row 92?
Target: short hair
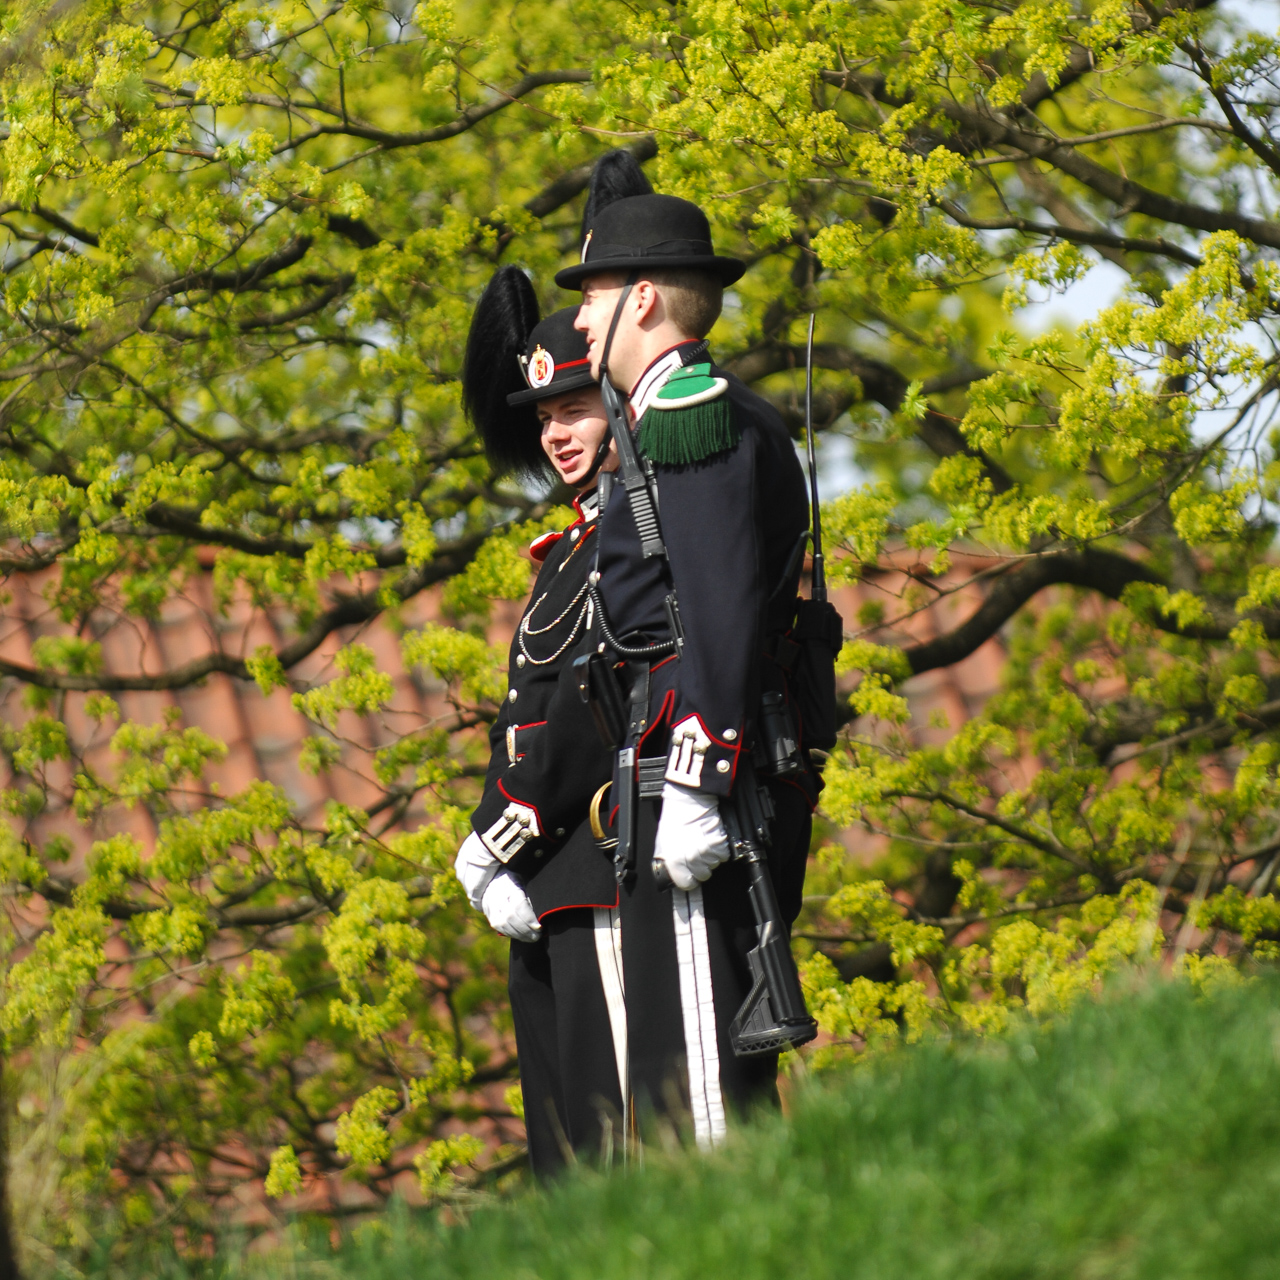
column 693, row 298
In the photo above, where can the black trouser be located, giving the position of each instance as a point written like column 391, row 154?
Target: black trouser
column 685, row 964
column 568, row 1066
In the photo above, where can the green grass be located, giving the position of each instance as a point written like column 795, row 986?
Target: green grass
column 1138, row 1138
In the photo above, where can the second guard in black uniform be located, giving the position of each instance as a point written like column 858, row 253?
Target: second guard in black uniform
column 529, row 389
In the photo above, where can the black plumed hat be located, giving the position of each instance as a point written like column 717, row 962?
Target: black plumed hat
column 617, row 176
column 554, row 360
column 649, row 232
column 512, row 361
column 505, row 316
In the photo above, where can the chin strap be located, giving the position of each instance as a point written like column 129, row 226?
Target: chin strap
column 603, row 451
column 636, row 477
column 601, row 454
column 638, row 481
column 613, row 324
column 613, row 406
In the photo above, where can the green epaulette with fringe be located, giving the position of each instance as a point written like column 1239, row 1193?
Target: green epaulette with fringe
column 690, row 419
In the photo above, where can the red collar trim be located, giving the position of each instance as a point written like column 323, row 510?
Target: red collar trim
column 541, row 546
column 576, row 503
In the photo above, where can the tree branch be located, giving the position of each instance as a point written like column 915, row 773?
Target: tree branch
column 348, row 611
column 1076, row 235
column 1239, row 129
column 1046, row 844
column 568, row 185
column 231, row 281
column 174, row 520
column 467, row 119
column 54, row 220
column 19, row 45
column 994, row 129
column 1106, row 572
column 321, row 300
column 1131, row 197
column 881, row 383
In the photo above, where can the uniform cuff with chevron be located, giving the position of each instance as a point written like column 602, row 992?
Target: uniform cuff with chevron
column 700, row 761
column 512, row 831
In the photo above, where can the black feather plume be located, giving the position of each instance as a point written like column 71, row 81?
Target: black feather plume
column 504, row 318
column 617, row 175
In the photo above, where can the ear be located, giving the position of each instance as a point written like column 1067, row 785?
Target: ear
column 647, row 302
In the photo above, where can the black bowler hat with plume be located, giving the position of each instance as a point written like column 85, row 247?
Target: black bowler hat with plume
column 514, row 360
column 625, row 230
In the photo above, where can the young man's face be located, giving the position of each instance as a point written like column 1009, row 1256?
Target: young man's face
column 573, row 428
column 599, row 298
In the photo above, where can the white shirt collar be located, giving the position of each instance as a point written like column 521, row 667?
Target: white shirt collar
column 589, row 505
column 654, row 379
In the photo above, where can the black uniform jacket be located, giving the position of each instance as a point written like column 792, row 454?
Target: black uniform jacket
column 732, row 524
column 534, row 759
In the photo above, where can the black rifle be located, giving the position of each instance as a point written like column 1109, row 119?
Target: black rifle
column 773, row 1016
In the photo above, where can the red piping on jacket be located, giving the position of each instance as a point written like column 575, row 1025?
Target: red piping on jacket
column 542, row 830
column 581, row 906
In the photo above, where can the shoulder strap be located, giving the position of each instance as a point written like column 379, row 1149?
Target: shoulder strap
column 638, row 482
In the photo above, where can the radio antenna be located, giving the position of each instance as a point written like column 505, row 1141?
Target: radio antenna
column 818, row 590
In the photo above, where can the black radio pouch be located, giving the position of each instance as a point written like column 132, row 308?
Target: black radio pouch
column 819, row 635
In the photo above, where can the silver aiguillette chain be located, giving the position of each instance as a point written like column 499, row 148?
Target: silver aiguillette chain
column 527, row 629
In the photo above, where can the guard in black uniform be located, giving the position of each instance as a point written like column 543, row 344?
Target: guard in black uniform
column 733, row 515
column 550, row 887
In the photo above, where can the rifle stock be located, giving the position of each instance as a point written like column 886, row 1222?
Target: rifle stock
column 773, row 1016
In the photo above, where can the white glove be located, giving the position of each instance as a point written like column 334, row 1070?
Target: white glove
column 475, row 866
column 506, row 906
column 692, row 841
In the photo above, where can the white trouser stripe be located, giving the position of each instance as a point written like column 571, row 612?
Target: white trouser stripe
column 697, row 1003
column 608, row 934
